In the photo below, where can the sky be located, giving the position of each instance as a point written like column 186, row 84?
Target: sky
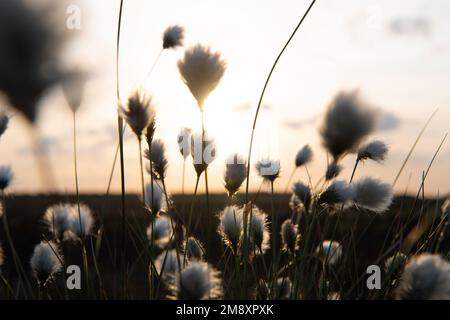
column 397, row 54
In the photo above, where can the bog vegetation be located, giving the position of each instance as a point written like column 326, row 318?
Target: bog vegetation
column 309, row 252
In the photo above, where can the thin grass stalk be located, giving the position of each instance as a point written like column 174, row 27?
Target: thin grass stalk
column 154, row 65
column 414, row 146
column 262, row 96
column 82, row 235
column 206, row 176
column 141, row 169
column 122, row 163
column 289, row 180
column 256, row 118
column 191, row 210
column 111, row 173
column 410, row 214
column 19, row 268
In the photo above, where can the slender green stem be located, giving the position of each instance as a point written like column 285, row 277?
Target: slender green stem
column 354, row 170
column 255, row 120
column 141, row 169
column 262, row 96
column 189, row 225
column 122, row 164
column 290, row 179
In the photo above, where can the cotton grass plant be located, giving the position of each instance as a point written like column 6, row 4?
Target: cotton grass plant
column 237, row 251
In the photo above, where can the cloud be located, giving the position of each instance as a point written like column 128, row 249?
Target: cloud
column 47, row 145
column 388, row 121
column 297, row 124
column 410, row 27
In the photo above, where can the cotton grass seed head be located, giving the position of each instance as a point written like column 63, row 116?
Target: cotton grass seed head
column 203, row 151
column 258, row 230
column 139, row 112
column 31, row 40
column 333, row 170
column 426, row 277
column 80, row 224
column 372, row 194
column 184, row 142
column 167, row 263
column 348, row 120
column 230, row 226
column 283, row 288
column 330, row 251
column 268, row 169
column 73, row 88
column 57, row 219
column 201, row 70
column 160, row 234
column 338, row 192
column 289, row 235
column 6, row 177
column 394, row 264
column 45, row 262
column 197, row 281
column 303, row 193
column 304, row 155
column 375, row 150
column 195, row 249
column 157, row 155
column 4, row 120
column 155, row 199
column 173, row 37
column 235, row 173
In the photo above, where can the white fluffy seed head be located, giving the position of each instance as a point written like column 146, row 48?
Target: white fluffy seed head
column 289, row 235
column 203, row 151
column 167, row 263
column 330, row 251
column 197, row 281
column 235, row 173
column 333, row 170
column 338, row 192
column 258, row 230
column 4, row 120
column 348, row 120
column 230, row 226
column 57, row 219
column 304, row 155
column 268, row 169
column 160, row 233
column 155, row 200
column 6, row 177
column 394, row 264
column 184, row 142
column 303, row 193
column 45, row 261
column 372, row 194
column 173, row 37
column 157, row 155
column 80, row 224
column 375, row 150
column 201, row 70
column 195, row 249
column 426, row 277
column 139, row 112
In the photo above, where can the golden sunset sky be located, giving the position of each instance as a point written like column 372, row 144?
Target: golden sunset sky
column 397, row 53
